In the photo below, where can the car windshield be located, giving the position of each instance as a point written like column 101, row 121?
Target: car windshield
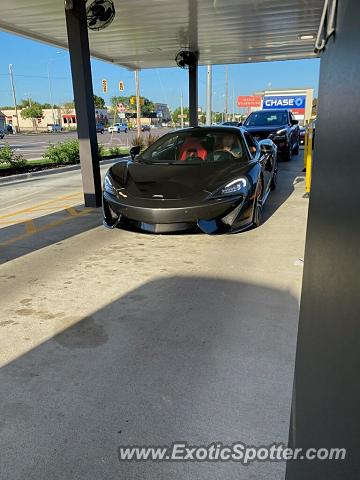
column 196, row 147
column 266, row 119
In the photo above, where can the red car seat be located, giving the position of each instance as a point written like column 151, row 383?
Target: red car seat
column 192, row 147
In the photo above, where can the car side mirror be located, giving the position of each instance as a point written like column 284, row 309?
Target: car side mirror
column 240, row 124
column 294, row 122
column 134, row 151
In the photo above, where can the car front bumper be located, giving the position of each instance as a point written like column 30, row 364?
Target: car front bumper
column 220, row 214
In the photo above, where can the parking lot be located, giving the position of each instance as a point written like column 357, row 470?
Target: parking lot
column 33, row 146
column 114, row 337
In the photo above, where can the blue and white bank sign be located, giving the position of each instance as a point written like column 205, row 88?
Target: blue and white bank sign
column 292, row 102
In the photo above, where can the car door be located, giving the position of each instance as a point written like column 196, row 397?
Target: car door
column 265, row 160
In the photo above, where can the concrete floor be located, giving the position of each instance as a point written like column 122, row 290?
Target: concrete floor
column 112, row 338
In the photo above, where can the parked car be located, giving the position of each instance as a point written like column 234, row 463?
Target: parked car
column 278, row 125
column 54, row 128
column 216, row 179
column 100, row 128
column 2, row 133
column 145, row 128
column 118, row 127
column 302, row 134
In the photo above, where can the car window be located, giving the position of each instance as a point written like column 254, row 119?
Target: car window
column 203, row 146
column 250, row 143
column 265, row 119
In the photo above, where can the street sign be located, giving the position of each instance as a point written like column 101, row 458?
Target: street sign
column 295, row 103
column 121, row 108
column 121, row 115
column 159, row 114
column 121, row 86
column 183, row 115
column 249, row 101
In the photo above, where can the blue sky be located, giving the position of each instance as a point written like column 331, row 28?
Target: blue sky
column 31, row 60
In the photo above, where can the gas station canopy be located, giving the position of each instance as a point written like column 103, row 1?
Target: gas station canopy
column 149, row 33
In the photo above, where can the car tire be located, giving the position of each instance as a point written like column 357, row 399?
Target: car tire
column 258, row 207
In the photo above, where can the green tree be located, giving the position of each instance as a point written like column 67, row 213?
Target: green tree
column 69, row 105
column 34, row 112
column 147, row 107
column 99, row 102
column 177, row 112
column 119, row 99
column 314, row 107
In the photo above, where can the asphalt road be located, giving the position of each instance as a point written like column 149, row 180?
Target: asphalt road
column 32, row 146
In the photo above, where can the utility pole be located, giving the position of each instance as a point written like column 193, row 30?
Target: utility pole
column 50, row 92
column 14, row 95
column 209, row 95
column 181, row 110
column 233, row 100
column 226, row 92
column 138, row 109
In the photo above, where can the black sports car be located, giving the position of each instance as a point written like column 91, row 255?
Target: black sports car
column 213, row 178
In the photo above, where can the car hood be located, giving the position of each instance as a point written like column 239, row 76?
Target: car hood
column 264, row 132
column 175, row 181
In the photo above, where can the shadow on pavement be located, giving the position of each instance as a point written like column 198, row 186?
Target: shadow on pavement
column 22, row 238
column 290, row 173
column 191, row 359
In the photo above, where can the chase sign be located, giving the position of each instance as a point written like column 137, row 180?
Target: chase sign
column 296, row 103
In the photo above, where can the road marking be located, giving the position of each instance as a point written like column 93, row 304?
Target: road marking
column 44, row 228
column 30, row 226
column 39, row 205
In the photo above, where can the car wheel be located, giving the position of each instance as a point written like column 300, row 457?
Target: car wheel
column 258, row 206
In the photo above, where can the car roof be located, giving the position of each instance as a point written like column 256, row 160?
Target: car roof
column 272, row 110
column 215, row 128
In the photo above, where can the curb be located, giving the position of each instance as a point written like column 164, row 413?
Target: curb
column 50, row 171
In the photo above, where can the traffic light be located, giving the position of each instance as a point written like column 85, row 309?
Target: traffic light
column 121, row 86
column 104, row 85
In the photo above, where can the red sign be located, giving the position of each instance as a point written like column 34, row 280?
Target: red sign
column 249, row 101
column 298, row 111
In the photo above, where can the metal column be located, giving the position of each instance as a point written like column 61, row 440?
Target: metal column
column 326, row 398
column 209, row 95
column 193, row 95
column 84, row 102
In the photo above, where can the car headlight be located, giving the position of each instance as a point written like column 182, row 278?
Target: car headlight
column 108, row 186
column 281, row 132
column 240, row 185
